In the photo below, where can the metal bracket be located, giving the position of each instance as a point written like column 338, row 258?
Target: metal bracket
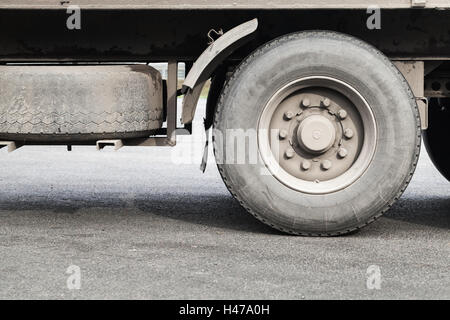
column 210, row 37
column 414, row 73
column 10, row 145
column 103, row 143
column 172, row 85
column 422, row 104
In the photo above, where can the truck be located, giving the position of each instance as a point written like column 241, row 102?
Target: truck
column 317, row 108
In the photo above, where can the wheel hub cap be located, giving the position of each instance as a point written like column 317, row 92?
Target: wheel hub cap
column 316, row 134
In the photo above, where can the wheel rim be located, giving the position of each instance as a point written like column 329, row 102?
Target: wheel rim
column 317, row 135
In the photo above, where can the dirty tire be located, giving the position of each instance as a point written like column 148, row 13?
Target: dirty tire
column 394, row 108
column 79, row 103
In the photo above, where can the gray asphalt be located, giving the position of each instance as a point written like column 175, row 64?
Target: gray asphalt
column 142, row 225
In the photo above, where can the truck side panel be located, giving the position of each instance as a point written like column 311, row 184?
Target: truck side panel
column 218, row 4
column 152, row 35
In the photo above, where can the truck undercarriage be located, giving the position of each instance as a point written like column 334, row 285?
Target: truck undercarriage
column 346, row 99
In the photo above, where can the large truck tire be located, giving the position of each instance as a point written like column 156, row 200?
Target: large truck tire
column 79, row 103
column 335, row 128
column 437, row 135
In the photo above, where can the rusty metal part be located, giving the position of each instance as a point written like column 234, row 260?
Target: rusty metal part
column 321, row 151
column 208, row 61
column 219, row 4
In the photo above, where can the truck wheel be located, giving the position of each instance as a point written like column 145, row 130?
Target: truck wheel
column 436, row 136
column 317, row 133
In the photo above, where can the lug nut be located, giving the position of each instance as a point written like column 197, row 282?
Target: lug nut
column 289, row 153
column 342, row 152
column 306, row 165
column 283, row 134
column 306, row 102
column 348, row 133
column 326, row 164
column 288, row 115
column 342, row 114
column 326, row 103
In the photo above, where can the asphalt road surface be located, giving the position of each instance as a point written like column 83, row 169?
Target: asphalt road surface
column 145, row 223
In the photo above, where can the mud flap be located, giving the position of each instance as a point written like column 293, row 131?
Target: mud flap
column 205, row 149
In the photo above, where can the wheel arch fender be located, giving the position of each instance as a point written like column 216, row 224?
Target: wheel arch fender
column 209, row 61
